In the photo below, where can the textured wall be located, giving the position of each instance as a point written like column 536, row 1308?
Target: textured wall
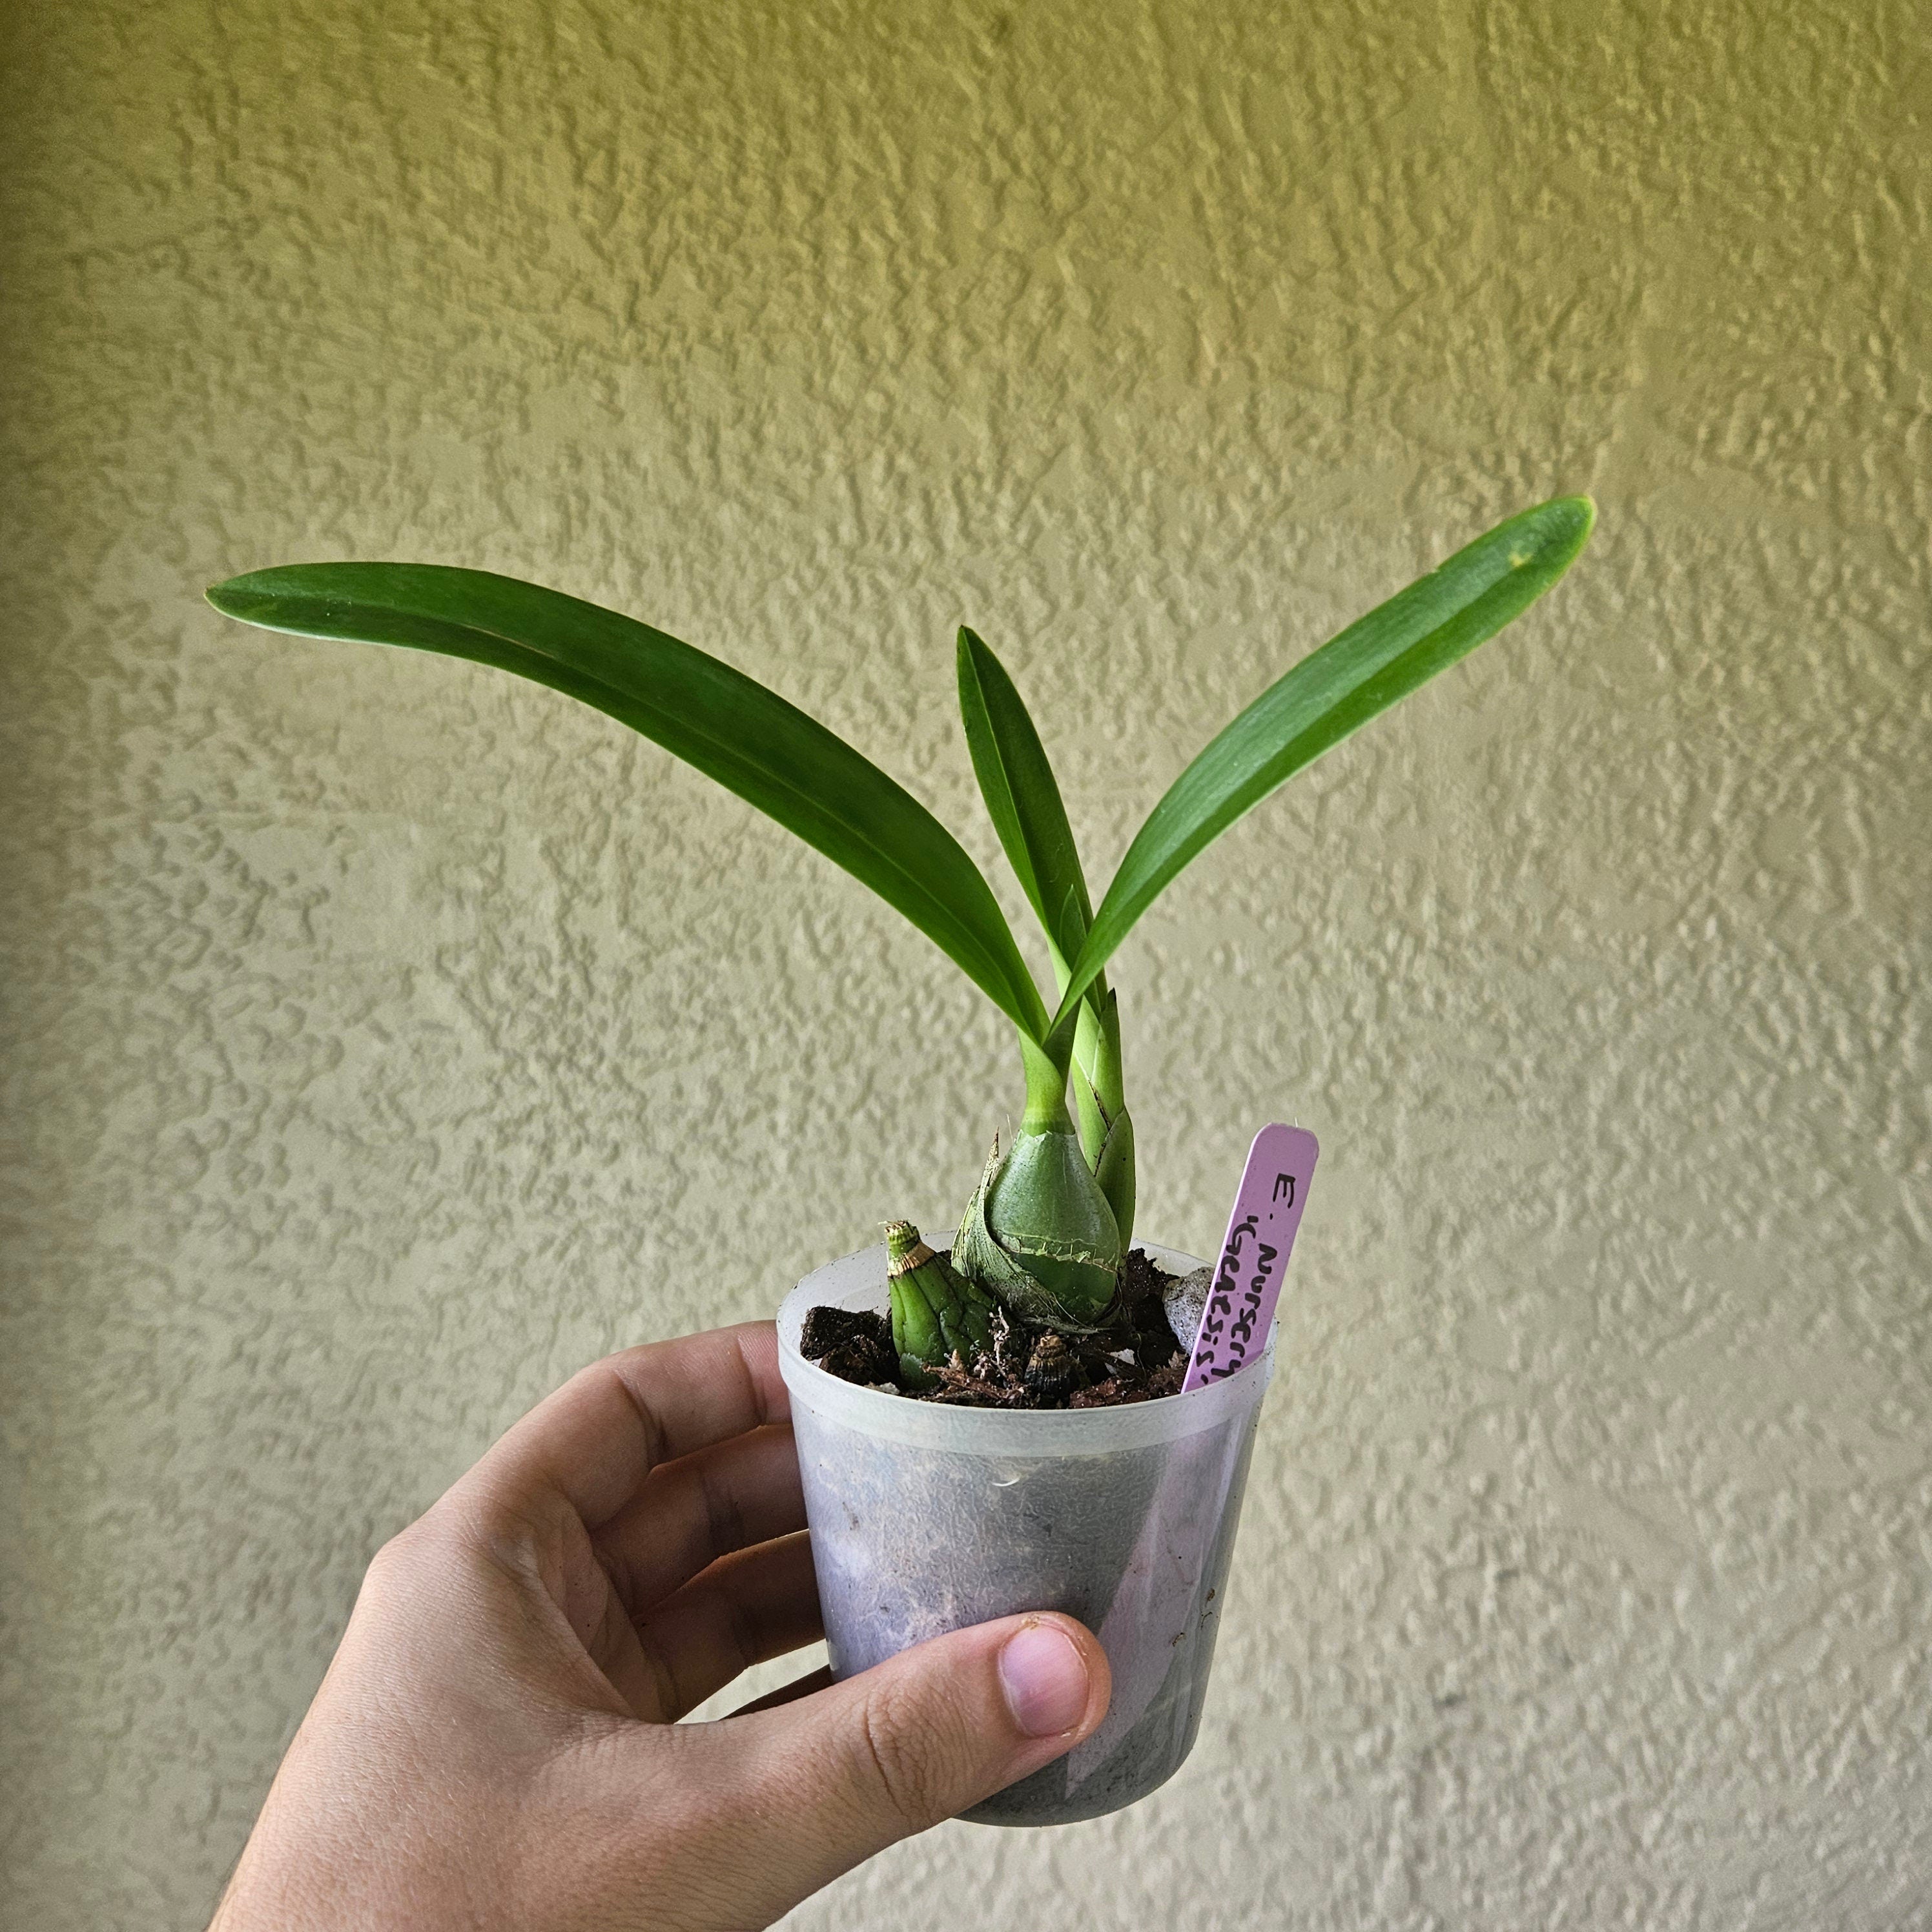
column 384, row 1038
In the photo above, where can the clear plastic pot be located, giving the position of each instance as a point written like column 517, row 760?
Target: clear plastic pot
column 925, row 1519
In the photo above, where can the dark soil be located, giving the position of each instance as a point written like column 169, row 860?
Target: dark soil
column 1134, row 1358
column 856, row 1347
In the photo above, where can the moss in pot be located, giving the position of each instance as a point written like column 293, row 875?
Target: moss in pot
column 1044, row 1459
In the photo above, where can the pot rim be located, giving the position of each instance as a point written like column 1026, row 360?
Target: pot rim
column 858, row 1280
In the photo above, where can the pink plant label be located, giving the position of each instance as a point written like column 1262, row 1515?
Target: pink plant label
column 1241, row 1298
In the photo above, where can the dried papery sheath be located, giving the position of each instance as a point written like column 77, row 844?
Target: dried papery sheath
column 1052, row 1372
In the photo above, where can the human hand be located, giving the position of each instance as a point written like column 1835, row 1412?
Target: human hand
column 495, row 1746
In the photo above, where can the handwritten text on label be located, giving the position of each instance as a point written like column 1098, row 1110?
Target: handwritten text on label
column 1234, row 1323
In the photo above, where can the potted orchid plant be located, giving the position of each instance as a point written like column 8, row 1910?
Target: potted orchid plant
column 1047, row 1459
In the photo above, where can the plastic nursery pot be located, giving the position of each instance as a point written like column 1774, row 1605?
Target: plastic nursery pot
column 926, row 1518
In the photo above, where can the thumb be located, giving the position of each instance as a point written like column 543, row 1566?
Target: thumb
column 856, row 1767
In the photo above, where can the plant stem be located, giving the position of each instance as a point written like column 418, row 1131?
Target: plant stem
column 1046, row 1091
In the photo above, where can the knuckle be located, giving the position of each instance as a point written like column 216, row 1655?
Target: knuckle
column 391, row 1570
column 408, row 1556
column 910, row 1757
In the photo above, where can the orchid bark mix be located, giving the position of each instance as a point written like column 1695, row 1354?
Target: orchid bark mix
column 1043, row 1238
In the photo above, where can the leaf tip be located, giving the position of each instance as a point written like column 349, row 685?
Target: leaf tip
column 229, row 596
column 1581, row 513
column 1553, row 531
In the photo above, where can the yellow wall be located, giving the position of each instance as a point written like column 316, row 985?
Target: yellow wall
column 386, row 1038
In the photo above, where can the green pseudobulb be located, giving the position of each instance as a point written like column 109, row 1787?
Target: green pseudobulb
column 1039, row 1234
column 935, row 1314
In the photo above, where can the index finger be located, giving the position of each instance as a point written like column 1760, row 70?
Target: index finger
column 593, row 1442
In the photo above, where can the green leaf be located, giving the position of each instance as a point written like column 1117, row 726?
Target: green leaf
column 727, row 724
column 1022, row 799
column 1115, row 1172
column 1377, row 660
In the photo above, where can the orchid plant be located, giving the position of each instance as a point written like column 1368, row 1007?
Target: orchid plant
column 1046, row 1230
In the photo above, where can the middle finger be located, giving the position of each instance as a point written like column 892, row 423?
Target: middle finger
column 758, row 1604
column 689, row 1512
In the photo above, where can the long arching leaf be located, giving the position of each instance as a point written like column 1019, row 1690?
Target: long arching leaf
column 1377, row 660
column 1022, row 799
column 727, row 724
